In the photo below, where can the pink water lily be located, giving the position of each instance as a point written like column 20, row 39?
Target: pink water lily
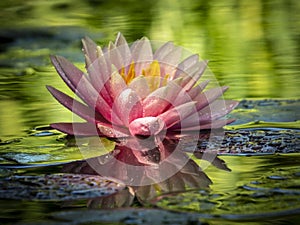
column 136, row 91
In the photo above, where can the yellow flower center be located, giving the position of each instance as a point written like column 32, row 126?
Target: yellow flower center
column 130, row 75
column 152, row 73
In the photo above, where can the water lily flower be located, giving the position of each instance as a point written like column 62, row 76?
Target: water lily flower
column 133, row 90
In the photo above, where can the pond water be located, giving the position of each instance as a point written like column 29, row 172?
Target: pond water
column 253, row 47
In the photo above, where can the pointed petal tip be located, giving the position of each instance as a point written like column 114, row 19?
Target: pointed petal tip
column 78, row 129
column 111, row 45
column 87, row 41
column 233, row 103
column 120, row 40
column 120, row 36
column 86, row 38
column 229, row 121
column 53, row 59
column 62, row 127
column 58, row 61
column 225, row 88
column 51, row 89
column 144, row 38
column 58, row 95
column 56, row 57
column 55, row 125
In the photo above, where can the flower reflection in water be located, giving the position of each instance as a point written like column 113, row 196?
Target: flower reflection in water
column 147, row 181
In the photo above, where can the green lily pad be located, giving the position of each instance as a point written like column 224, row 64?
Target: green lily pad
column 266, row 113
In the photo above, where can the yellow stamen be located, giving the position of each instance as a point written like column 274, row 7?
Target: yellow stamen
column 122, row 73
column 153, row 70
column 153, row 75
column 130, row 74
column 165, row 80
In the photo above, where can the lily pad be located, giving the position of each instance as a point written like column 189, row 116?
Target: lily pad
column 253, row 142
column 270, row 111
column 57, row 187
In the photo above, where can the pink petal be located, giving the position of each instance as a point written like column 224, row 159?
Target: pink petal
column 78, row 129
column 185, row 65
column 175, row 115
column 173, row 57
column 141, row 50
column 94, row 100
column 142, row 54
column 170, row 61
column 196, row 90
column 68, row 72
column 217, row 109
column 73, row 105
column 212, row 112
column 163, row 98
column 116, row 85
column 157, row 102
column 216, row 124
column 193, row 77
column 123, row 48
column 90, row 50
column 79, row 83
column 128, row 106
column 112, row 131
column 115, row 56
column 163, row 51
column 176, row 94
column 207, row 97
column 99, row 71
column 98, row 76
column 146, row 126
column 180, row 96
column 168, row 56
column 140, row 86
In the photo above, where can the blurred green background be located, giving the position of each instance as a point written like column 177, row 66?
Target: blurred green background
column 253, row 46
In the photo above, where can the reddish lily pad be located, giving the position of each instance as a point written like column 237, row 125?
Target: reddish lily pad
column 252, row 142
column 57, row 187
